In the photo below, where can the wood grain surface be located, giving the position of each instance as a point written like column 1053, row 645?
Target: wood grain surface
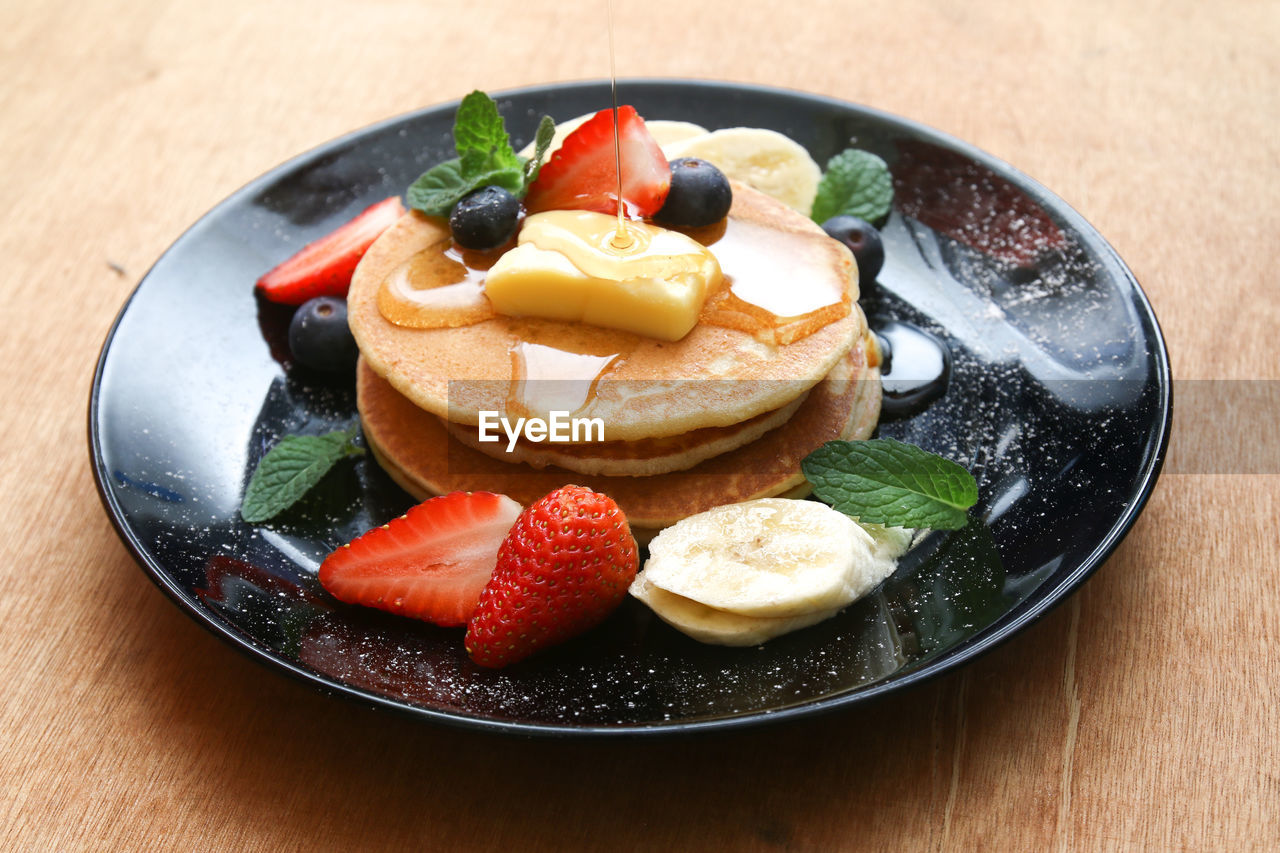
column 1142, row 714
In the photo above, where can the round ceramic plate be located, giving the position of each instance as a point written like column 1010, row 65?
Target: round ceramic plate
column 1057, row 398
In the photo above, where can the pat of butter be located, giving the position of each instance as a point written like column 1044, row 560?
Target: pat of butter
column 566, row 266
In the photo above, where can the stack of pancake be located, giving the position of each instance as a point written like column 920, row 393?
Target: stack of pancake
column 723, row 415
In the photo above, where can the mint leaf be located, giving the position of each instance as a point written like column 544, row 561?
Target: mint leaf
column 439, row 188
column 511, row 180
column 856, row 183
column 291, row 468
column 485, row 158
column 541, row 142
column 476, row 163
column 887, row 482
column 480, row 135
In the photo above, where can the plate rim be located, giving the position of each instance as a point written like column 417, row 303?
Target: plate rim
column 963, row 654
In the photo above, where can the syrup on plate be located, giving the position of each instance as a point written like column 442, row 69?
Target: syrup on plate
column 915, row 369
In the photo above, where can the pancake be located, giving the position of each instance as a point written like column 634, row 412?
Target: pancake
column 414, row 447
column 642, row 458
column 716, row 376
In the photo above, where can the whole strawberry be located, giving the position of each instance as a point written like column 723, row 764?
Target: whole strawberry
column 564, row 567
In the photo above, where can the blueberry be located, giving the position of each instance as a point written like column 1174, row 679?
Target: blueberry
column 699, row 195
column 319, row 337
column 863, row 240
column 485, row 219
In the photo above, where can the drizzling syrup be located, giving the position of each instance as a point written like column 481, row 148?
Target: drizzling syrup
column 622, row 238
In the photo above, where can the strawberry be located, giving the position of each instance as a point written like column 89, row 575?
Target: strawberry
column 583, row 173
column 564, row 567
column 324, row 268
column 430, row 563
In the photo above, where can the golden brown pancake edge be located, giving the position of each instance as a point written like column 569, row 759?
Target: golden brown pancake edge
column 417, row 451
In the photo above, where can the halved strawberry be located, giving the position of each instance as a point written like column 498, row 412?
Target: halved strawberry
column 583, row 173
column 430, row 563
column 324, row 268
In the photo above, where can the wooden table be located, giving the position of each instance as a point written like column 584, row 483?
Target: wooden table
column 1141, row 714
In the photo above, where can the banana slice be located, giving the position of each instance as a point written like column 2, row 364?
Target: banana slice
column 664, row 132
column 770, row 557
column 741, row 574
column 719, row 627
column 764, row 159
column 891, row 542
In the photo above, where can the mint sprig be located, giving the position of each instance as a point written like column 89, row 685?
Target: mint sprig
column 485, row 158
column 480, row 135
column 291, row 469
column 887, row 482
column 855, row 183
column 541, row 142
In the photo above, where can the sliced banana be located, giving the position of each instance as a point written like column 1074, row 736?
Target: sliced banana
column 764, row 159
column 666, row 132
column 891, row 542
column 663, row 131
column 719, row 627
column 770, row 557
column 741, row 574
column 563, row 129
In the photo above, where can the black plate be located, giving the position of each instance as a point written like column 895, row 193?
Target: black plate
column 1058, row 400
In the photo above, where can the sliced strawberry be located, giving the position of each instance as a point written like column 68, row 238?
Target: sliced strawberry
column 324, row 268
column 583, row 173
column 430, row 563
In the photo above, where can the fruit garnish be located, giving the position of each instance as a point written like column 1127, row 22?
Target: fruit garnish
column 743, row 573
column 324, row 268
column 763, row 159
column 700, row 194
column 856, row 183
column 485, row 219
column 883, row 481
column 583, row 173
column 291, row 469
column 485, row 158
column 764, row 557
column 863, row 240
column 564, row 567
column 319, row 337
column 430, row 563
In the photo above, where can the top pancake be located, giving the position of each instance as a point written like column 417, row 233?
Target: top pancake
column 714, row 376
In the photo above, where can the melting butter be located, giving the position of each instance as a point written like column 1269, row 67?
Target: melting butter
column 567, row 266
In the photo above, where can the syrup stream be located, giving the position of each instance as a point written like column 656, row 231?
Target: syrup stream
column 621, row 239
